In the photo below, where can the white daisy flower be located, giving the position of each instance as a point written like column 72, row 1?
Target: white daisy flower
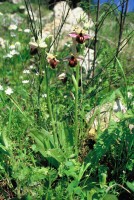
column 9, row 91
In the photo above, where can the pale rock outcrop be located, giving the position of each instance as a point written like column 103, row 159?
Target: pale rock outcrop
column 71, row 18
column 16, row 1
column 104, row 113
column 61, row 9
column 77, row 16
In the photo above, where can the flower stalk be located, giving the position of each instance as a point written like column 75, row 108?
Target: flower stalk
column 50, row 105
column 76, row 110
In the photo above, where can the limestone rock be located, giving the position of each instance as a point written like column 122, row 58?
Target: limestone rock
column 77, row 16
column 61, row 9
column 16, row 1
column 105, row 113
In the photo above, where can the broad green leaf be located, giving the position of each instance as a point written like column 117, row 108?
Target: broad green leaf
column 110, row 197
column 130, row 185
column 57, row 154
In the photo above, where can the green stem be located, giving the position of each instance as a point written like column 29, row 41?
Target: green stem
column 76, row 109
column 50, row 106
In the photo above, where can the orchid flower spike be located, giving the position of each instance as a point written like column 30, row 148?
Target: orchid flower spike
column 80, row 35
column 52, row 60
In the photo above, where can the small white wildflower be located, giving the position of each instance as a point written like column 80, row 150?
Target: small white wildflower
column 12, row 27
column 26, row 71
column 31, row 67
column 27, row 30
column 8, row 56
column 1, row 14
column 44, row 95
column 37, row 74
column 12, row 47
column 62, row 76
column 1, row 87
column 25, row 81
column 14, row 52
column 9, row 91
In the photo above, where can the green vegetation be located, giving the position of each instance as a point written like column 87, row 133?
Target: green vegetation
column 7, row 7
column 59, row 136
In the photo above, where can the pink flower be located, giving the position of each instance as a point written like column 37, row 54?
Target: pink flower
column 79, row 35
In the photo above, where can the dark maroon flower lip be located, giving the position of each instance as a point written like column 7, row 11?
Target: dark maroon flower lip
column 72, row 60
column 79, row 36
column 53, row 62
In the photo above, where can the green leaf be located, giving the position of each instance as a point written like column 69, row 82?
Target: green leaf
column 57, row 154
column 110, row 197
column 91, row 193
column 72, row 186
column 130, row 185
